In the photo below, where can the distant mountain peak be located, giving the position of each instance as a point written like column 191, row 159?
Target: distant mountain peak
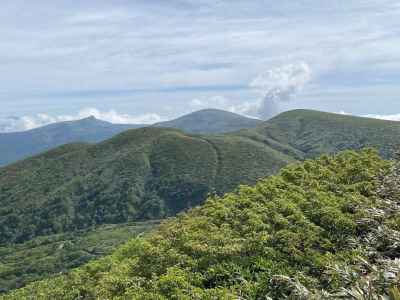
column 210, row 120
column 15, row 146
column 206, row 110
column 89, row 119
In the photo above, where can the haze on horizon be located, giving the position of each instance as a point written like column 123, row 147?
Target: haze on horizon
column 146, row 61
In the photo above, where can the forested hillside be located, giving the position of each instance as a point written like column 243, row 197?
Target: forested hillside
column 143, row 174
column 322, row 229
column 153, row 173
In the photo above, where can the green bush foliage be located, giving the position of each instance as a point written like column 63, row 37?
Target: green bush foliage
column 318, row 230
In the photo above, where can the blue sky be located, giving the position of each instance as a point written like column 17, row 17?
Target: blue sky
column 143, row 61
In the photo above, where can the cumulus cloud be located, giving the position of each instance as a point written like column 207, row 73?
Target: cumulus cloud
column 13, row 124
column 276, row 86
column 279, row 85
column 224, row 103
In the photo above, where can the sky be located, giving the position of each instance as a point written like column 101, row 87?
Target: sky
column 144, row 61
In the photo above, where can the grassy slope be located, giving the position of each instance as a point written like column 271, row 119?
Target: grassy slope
column 312, row 232
column 314, row 132
column 58, row 253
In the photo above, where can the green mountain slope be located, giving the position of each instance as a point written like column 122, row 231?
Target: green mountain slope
column 210, row 121
column 153, row 173
column 314, row 132
column 141, row 174
column 323, row 229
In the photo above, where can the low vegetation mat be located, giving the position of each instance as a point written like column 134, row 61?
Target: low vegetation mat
column 322, row 229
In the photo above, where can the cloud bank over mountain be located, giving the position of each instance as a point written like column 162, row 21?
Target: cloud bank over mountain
column 273, row 87
column 395, row 117
column 13, row 124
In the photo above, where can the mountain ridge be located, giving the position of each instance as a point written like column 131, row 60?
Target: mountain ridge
column 208, row 121
column 156, row 172
column 19, row 145
column 151, row 173
column 314, row 132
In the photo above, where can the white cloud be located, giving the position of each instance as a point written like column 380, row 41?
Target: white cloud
column 283, row 82
column 118, row 118
column 87, row 18
column 391, row 117
column 394, row 117
column 13, row 124
column 279, row 85
column 224, row 103
column 276, row 86
column 218, row 102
